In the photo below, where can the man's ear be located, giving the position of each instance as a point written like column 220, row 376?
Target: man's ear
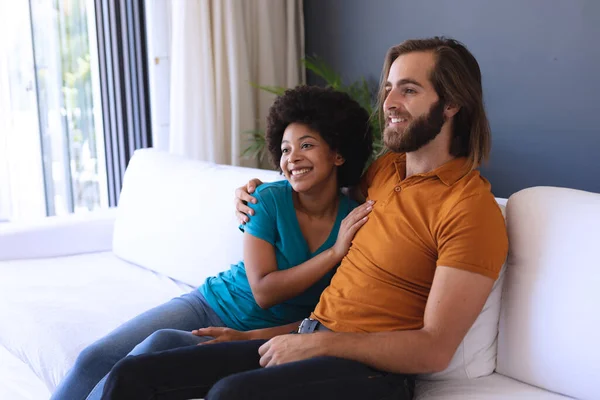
column 339, row 160
column 450, row 110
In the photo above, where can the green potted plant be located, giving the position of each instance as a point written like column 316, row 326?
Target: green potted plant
column 358, row 90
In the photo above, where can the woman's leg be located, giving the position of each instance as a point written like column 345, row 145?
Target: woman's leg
column 164, row 339
column 187, row 312
column 181, row 373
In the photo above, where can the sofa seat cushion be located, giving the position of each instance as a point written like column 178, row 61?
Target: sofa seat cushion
column 18, row 381
column 52, row 308
column 492, row 387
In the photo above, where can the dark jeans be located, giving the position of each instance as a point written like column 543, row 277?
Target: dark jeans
column 231, row 370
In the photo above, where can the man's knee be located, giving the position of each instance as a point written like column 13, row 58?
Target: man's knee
column 121, row 377
column 125, row 367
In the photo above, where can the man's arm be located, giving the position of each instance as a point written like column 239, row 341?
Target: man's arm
column 243, row 196
column 455, row 300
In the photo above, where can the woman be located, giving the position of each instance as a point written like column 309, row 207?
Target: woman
column 321, row 140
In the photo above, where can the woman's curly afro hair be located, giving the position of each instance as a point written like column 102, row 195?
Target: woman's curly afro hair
column 339, row 119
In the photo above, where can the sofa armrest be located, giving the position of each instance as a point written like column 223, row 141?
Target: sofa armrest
column 58, row 236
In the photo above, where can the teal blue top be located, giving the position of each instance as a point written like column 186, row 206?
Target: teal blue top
column 274, row 221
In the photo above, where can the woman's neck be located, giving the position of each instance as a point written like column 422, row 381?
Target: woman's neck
column 319, row 202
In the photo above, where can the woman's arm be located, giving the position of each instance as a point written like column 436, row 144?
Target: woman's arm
column 230, row 335
column 271, row 286
column 269, row 333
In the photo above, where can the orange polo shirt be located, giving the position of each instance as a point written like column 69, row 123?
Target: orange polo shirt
column 446, row 217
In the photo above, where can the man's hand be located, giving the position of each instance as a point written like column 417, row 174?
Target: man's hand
column 221, row 335
column 243, row 197
column 289, row 348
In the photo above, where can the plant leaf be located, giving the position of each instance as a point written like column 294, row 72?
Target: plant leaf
column 276, row 90
column 319, row 68
column 257, row 148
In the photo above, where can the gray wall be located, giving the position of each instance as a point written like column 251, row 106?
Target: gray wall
column 540, row 61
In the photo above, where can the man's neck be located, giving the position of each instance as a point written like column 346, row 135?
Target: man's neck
column 431, row 156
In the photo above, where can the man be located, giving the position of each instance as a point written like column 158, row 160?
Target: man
column 418, row 272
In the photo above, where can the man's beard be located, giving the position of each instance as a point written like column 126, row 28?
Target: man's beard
column 417, row 133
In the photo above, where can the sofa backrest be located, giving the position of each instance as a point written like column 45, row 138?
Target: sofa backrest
column 176, row 216
column 550, row 317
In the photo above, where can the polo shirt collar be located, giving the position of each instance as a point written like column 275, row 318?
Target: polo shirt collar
column 449, row 173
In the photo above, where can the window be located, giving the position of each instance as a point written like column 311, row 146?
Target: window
column 63, row 76
column 66, row 72
column 51, row 143
column 21, row 185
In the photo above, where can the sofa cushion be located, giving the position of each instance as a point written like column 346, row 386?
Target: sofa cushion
column 550, row 322
column 58, row 235
column 176, row 216
column 18, row 381
column 476, row 355
column 52, row 308
column 493, row 387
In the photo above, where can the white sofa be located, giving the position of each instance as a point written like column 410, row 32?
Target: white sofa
column 67, row 281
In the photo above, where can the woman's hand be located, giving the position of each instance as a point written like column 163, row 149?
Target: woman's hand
column 221, row 334
column 243, row 197
column 350, row 225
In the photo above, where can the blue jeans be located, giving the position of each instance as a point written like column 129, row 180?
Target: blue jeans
column 167, row 326
column 231, row 371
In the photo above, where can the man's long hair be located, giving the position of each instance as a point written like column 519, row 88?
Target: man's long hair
column 456, row 78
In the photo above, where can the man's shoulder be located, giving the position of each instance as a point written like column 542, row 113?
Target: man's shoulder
column 471, row 231
column 474, row 185
column 473, row 191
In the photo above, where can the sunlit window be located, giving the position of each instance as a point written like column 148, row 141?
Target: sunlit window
column 51, row 140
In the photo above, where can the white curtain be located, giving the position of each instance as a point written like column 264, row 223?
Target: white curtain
column 219, row 48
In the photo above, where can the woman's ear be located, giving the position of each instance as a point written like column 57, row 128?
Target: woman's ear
column 339, row 160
